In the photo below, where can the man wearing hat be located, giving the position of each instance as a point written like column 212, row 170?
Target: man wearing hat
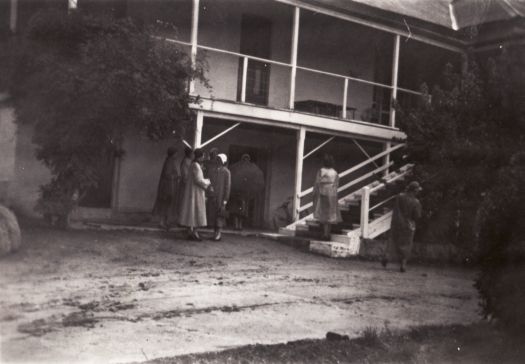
column 407, row 210
column 221, row 183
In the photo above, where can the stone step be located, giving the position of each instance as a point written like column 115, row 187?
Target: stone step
column 335, row 249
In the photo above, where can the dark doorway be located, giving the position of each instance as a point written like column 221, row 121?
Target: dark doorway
column 256, row 37
column 100, row 196
column 261, row 158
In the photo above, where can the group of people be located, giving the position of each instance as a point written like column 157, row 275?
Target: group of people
column 406, row 211
column 194, row 193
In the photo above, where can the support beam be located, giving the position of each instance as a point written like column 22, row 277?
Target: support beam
column 395, row 71
column 293, row 61
column 13, row 16
column 395, row 75
column 301, row 134
column 220, row 134
column 186, row 143
column 345, row 97
column 198, row 130
column 365, row 207
column 194, row 38
column 244, row 78
column 364, row 151
column 319, row 147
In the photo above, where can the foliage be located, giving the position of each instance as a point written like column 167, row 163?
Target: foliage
column 85, row 81
column 468, row 145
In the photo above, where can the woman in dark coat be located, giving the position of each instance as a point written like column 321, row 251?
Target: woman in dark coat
column 193, row 206
column 166, row 204
column 326, row 205
column 407, row 210
column 218, row 198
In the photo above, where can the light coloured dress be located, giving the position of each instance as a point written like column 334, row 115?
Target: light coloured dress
column 193, row 207
column 326, row 207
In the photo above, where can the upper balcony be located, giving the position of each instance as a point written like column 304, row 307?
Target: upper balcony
column 269, row 54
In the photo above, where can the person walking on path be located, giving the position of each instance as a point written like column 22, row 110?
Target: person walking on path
column 218, row 198
column 407, row 210
column 193, row 207
column 166, row 204
column 326, row 206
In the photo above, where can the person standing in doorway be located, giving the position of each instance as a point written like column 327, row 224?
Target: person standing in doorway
column 218, row 198
column 325, row 203
column 166, row 204
column 193, row 207
column 407, row 210
column 185, row 166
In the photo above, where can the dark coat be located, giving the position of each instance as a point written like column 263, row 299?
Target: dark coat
column 167, row 201
column 221, row 183
column 407, row 210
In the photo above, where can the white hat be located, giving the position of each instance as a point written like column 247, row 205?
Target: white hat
column 223, row 158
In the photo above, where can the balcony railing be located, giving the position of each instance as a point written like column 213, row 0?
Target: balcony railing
column 247, row 79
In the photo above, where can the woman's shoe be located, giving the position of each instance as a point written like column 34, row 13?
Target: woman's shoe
column 217, row 237
column 196, row 236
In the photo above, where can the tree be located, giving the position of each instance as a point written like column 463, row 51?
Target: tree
column 85, row 81
column 468, row 145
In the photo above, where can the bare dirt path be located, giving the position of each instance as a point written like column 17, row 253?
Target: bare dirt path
column 93, row 296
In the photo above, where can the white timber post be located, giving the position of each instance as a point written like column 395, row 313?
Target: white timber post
column 299, row 157
column 197, row 140
column 365, row 206
column 72, row 5
column 194, row 37
column 345, row 96
column 244, row 78
column 13, row 15
column 293, row 61
column 392, row 119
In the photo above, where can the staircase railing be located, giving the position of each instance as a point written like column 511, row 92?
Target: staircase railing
column 346, row 186
column 367, row 191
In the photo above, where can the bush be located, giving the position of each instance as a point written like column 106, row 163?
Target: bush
column 468, row 148
column 84, row 82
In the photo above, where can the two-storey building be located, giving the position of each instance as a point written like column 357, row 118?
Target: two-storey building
column 289, row 80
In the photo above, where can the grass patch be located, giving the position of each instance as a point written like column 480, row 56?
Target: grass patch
column 478, row 343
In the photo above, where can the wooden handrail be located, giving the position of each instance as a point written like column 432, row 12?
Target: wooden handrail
column 358, row 166
column 406, row 169
column 351, row 183
column 332, row 74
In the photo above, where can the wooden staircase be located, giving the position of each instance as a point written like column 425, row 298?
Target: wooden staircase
column 366, row 213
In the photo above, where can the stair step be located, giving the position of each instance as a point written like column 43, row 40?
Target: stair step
column 335, row 249
column 312, row 222
column 301, row 227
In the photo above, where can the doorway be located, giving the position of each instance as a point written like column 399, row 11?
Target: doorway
column 256, row 37
column 260, row 157
column 100, row 195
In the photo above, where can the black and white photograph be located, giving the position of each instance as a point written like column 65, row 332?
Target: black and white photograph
column 262, row 181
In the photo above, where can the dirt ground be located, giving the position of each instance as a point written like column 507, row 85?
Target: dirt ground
column 101, row 296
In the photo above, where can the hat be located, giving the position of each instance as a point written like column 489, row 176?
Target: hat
column 414, row 186
column 223, row 158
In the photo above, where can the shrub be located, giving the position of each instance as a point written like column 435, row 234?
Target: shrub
column 84, row 81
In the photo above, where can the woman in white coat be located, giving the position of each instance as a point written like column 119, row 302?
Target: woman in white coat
column 193, row 207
